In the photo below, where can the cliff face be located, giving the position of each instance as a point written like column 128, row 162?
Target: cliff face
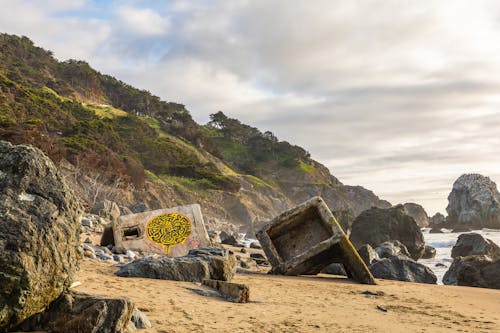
column 116, row 142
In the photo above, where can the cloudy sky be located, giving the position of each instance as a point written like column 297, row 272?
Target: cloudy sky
column 401, row 97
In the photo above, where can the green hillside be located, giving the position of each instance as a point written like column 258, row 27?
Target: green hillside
column 118, row 142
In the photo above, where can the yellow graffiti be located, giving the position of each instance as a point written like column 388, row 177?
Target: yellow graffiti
column 168, row 230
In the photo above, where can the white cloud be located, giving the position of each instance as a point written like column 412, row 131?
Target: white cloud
column 142, row 21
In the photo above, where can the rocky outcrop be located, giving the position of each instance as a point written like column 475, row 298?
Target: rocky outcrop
column 475, row 244
column 474, row 202
column 474, row 271
column 199, row 264
column 436, row 220
column 391, row 248
column 418, row 213
column 78, row 312
column 403, row 269
column 429, row 252
column 107, row 209
column 376, row 225
column 39, row 233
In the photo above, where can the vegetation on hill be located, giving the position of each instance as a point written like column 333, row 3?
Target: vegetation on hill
column 94, row 121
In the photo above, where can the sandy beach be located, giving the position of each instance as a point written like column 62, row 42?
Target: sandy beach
column 322, row 303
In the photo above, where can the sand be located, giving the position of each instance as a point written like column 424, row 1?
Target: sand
column 322, row 303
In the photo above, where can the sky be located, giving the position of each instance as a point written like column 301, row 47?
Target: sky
column 401, row 97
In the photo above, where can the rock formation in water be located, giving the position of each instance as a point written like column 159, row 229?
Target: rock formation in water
column 418, row 213
column 474, row 202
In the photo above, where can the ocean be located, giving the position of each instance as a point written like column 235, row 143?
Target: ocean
column 444, row 243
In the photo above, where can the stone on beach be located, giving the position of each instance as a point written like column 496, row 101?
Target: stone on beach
column 474, row 244
column 403, row 269
column 199, row 264
column 474, row 271
column 376, row 225
column 39, row 233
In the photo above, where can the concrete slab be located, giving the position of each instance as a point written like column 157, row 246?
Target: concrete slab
column 306, row 239
column 171, row 231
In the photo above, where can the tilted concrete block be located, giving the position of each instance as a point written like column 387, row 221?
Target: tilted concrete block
column 172, row 231
column 306, row 239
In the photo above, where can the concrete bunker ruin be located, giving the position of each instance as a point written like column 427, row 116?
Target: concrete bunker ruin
column 172, row 231
column 306, row 239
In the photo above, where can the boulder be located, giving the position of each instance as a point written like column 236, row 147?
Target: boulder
column 106, row 209
column 39, row 233
column 214, row 236
column 474, row 201
column 139, row 319
column 437, row 219
column 139, row 208
column 79, row 312
column 125, row 210
column 474, row 244
column 436, row 230
column 474, row 271
column 403, row 269
column 228, row 239
column 368, row 254
column 203, row 263
column 377, row 225
column 334, row 269
column 391, row 248
column 429, row 252
column 418, row 213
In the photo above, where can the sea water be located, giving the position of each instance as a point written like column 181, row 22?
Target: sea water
column 443, row 243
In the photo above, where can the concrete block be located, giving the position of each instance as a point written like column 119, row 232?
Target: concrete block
column 235, row 292
column 306, row 239
column 172, row 231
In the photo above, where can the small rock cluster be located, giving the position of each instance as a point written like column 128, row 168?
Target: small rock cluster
column 390, row 242
column 476, row 263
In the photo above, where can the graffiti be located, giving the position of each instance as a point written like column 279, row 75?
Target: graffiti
column 168, row 230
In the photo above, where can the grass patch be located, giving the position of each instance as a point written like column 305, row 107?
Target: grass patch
column 105, row 111
column 307, row 168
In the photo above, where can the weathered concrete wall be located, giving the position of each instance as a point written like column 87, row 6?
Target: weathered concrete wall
column 172, row 231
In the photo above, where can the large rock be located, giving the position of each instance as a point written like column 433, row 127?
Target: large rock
column 429, row 253
column 199, row 264
column 377, row 225
column 39, row 233
column 391, row 248
column 78, row 312
column 475, row 202
column 418, row 213
column 474, row 244
column 403, row 269
column 107, row 209
column 437, row 220
column 474, row 271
